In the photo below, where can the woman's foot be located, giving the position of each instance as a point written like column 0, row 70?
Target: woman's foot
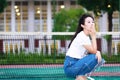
column 81, row 78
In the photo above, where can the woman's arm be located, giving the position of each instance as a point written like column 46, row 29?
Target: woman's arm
column 93, row 47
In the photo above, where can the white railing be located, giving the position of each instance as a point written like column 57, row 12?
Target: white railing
column 36, row 42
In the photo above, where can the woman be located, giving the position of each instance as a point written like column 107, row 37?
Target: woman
column 82, row 56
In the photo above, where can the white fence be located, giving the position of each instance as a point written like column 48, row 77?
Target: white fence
column 16, row 42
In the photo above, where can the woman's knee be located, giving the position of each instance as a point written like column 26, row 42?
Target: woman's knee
column 92, row 56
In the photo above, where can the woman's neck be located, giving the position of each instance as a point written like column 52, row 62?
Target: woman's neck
column 86, row 32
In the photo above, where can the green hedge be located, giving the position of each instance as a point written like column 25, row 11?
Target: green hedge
column 112, row 59
column 35, row 58
column 30, row 59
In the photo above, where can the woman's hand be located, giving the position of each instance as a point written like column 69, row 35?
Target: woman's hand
column 92, row 31
column 98, row 55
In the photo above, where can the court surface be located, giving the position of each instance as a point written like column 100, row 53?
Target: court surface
column 53, row 72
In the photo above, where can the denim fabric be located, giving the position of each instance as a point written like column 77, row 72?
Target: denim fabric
column 99, row 65
column 74, row 67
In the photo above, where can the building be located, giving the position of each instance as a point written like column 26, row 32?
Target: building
column 29, row 16
column 38, row 13
column 37, row 16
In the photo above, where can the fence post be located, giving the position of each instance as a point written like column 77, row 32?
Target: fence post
column 54, row 59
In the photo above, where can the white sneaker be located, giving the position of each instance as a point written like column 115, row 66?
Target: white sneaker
column 89, row 78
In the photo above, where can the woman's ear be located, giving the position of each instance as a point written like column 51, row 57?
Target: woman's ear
column 82, row 26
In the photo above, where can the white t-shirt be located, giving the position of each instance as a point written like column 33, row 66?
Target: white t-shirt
column 77, row 49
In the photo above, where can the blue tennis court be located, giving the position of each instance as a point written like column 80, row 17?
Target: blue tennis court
column 52, row 72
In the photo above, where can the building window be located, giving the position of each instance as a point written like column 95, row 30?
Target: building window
column 1, row 22
column 24, row 15
column 116, row 27
column 40, row 16
column 72, row 2
column 18, row 14
column 21, row 15
column 7, row 18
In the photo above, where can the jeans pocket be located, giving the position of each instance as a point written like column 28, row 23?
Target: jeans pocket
column 70, row 63
column 67, row 63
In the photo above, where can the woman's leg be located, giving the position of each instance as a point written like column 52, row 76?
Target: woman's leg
column 88, row 63
column 80, row 67
column 69, row 68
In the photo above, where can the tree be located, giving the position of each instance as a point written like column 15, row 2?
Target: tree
column 97, row 6
column 3, row 4
column 67, row 21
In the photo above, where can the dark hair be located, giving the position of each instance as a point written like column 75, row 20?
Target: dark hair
column 79, row 28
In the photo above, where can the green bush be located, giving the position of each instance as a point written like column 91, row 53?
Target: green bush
column 35, row 58
column 112, row 59
column 30, row 58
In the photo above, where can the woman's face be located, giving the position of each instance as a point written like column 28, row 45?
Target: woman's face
column 89, row 22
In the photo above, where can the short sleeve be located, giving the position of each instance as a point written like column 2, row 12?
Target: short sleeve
column 84, row 40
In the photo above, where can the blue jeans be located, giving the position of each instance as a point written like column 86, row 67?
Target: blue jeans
column 74, row 67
